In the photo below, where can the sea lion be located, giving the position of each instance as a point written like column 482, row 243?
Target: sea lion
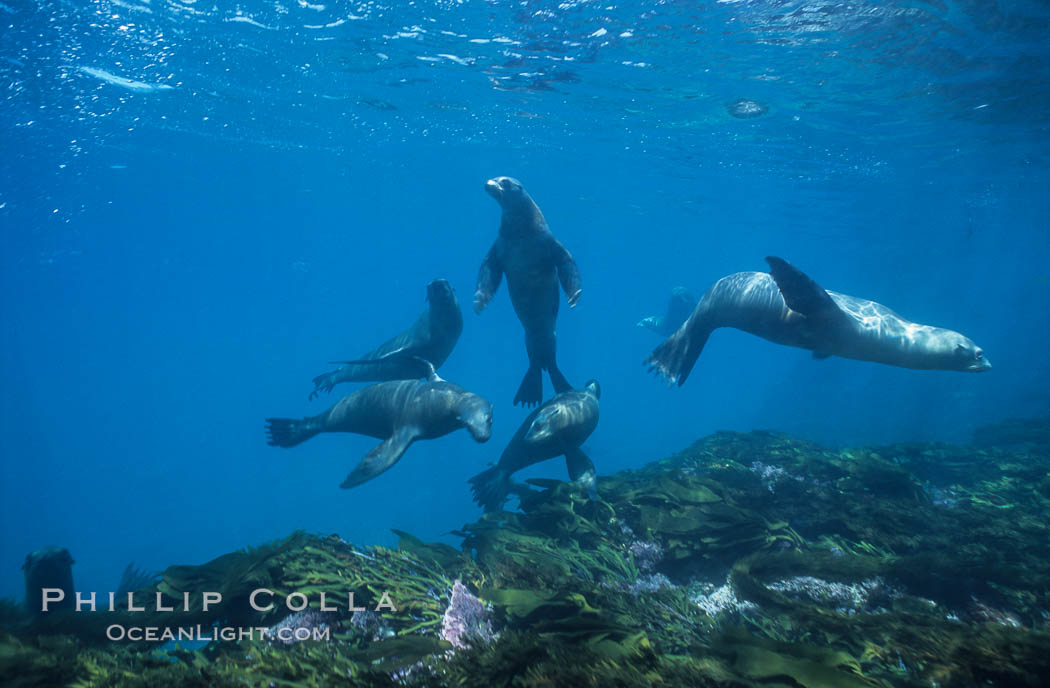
column 786, row 307
column 432, row 338
column 534, row 262
column 557, row 428
column 679, row 307
column 398, row 412
column 49, row 567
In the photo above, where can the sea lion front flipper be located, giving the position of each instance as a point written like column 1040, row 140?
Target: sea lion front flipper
column 489, row 277
column 568, row 274
column 382, row 457
column 400, row 351
column 426, row 368
column 801, row 293
column 581, row 470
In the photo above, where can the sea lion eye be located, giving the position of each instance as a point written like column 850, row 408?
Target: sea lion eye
column 979, row 355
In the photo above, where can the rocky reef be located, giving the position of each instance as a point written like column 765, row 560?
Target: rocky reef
column 748, row 559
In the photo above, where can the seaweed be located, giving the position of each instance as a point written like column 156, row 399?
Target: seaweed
column 748, row 559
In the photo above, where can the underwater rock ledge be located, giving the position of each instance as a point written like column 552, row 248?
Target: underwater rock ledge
column 747, row 559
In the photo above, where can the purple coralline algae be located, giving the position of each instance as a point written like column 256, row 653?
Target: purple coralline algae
column 370, row 625
column 845, row 598
column 771, row 475
column 288, row 630
column 717, row 600
column 646, row 554
column 467, row 619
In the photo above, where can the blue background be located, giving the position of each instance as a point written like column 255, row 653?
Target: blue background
column 179, row 262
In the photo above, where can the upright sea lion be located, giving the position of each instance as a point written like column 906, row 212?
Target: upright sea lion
column 49, row 567
column 534, row 261
column 432, row 338
column 557, row 428
column 398, row 412
column 787, row 307
column 679, row 307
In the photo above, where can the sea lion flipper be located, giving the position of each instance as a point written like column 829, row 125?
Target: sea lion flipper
column 385, row 356
column 558, row 379
column 426, row 368
column 530, row 392
column 382, row 457
column 568, row 274
column 800, row 292
column 489, row 277
column 581, row 470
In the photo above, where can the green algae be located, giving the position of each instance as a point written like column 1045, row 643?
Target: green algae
column 748, row 559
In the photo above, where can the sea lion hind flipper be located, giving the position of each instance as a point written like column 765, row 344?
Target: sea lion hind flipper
column 382, row 457
column 800, row 292
column 490, row 488
column 558, row 380
column 581, row 470
column 530, row 393
column 568, row 274
column 675, row 358
column 288, row 432
column 489, row 277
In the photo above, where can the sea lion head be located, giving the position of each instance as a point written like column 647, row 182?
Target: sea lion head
column 955, row 351
column 508, row 192
column 594, row 388
column 440, row 291
column 57, row 558
column 50, row 567
column 476, row 415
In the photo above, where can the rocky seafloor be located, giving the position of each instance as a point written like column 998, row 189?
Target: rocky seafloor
column 748, row 559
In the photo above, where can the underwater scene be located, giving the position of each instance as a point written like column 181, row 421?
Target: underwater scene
column 525, row 343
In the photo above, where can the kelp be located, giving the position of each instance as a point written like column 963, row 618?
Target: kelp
column 748, row 559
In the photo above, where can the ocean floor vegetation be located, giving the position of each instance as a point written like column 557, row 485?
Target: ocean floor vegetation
column 748, row 559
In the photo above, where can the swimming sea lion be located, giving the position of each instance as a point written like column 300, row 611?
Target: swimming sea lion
column 432, row 338
column 787, row 307
column 557, row 428
column 680, row 305
column 398, row 412
column 49, row 567
column 534, row 261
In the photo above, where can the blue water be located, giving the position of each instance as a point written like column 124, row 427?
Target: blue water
column 202, row 203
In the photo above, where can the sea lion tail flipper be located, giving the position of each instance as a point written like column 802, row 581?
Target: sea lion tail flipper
column 558, row 380
column 288, row 432
column 530, row 393
column 568, row 274
column 674, row 359
column 581, row 470
column 382, row 457
column 490, row 488
column 800, row 292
